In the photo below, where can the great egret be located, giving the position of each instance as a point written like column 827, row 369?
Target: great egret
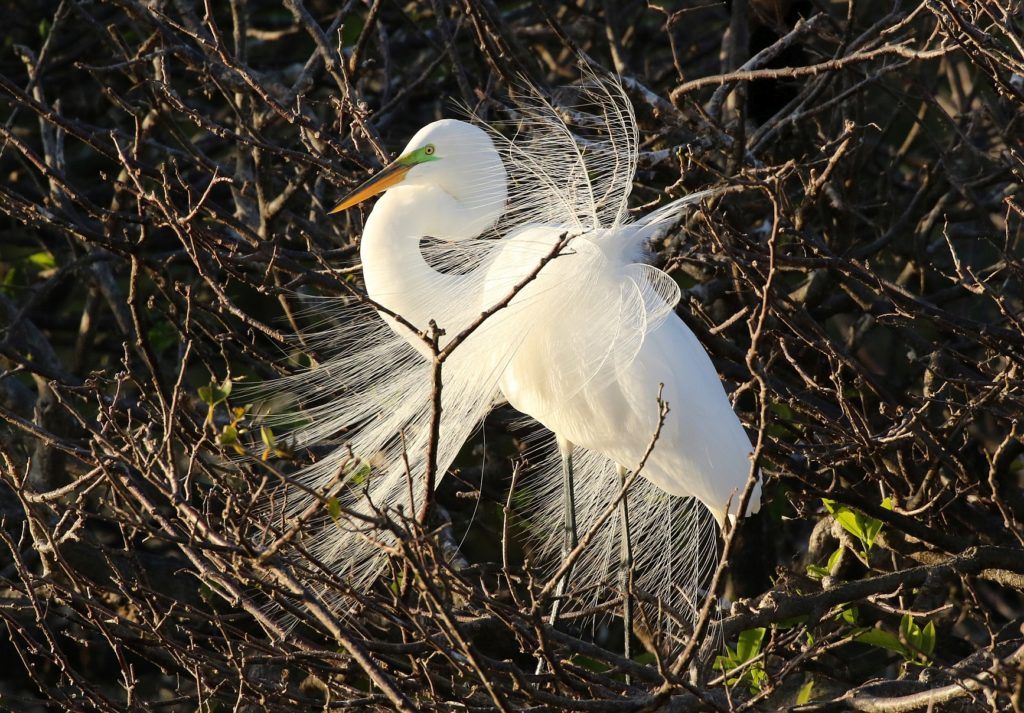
column 582, row 349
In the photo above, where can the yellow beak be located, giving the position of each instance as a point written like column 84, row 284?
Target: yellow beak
column 392, row 174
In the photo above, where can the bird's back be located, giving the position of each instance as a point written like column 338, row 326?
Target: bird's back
column 590, row 341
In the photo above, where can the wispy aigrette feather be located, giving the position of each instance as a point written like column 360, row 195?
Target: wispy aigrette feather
column 576, row 330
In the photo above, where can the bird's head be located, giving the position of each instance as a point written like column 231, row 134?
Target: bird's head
column 455, row 156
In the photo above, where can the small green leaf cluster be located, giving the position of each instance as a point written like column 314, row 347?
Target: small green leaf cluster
column 215, row 394
column 817, row 571
column 356, row 474
column 863, row 527
column 15, row 274
column 230, row 435
column 748, row 647
column 272, row 447
column 915, row 643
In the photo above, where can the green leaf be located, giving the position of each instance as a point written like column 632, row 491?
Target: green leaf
column 301, row 360
column 790, row 622
column 782, row 410
column 43, row 260
column 214, row 394
column 804, row 694
column 758, row 678
column 849, row 615
column 360, row 474
column 270, row 441
column 334, row 508
column 851, row 523
column 646, row 658
column 748, row 647
column 10, row 276
column 928, row 638
column 395, row 585
column 749, row 644
column 727, row 661
column 229, row 436
column 267, row 436
column 872, row 526
column 589, row 663
column 920, row 641
column 910, row 631
column 861, row 526
column 871, row 529
column 882, row 639
column 816, row 571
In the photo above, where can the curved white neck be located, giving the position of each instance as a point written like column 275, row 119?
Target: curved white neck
column 396, row 275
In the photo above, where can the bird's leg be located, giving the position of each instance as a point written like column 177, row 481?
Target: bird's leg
column 569, row 540
column 625, row 571
column 568, row 522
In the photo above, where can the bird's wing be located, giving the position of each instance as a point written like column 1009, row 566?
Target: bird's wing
column 619, row 301
column 581, row 322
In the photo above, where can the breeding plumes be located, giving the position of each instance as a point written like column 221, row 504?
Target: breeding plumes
column 583, row 348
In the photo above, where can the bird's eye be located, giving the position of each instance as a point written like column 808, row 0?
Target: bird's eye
column 429, row 150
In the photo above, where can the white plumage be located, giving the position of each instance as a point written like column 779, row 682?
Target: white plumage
column 582, row 349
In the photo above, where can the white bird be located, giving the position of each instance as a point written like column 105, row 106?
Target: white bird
column 583, row 348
